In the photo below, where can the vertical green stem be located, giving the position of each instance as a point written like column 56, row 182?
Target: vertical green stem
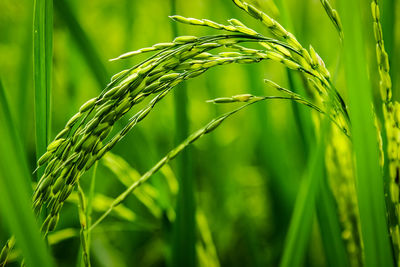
column 184, row 233
column 89, row 208
column 42, row 65
column 25, row 76
column 82, row 210
column 369, row 182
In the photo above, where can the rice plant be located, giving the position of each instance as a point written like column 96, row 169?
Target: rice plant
column 321, row 190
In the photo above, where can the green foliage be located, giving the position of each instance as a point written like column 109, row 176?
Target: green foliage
column 369, row 179
column 15, row 192
column 298, row 180
column 42, row 69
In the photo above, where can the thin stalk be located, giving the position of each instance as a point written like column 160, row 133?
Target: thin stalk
column 89, row 207
column 42, row 64
column 369, row 181
column 85, row 207
column 184, row 233
column 82, row 209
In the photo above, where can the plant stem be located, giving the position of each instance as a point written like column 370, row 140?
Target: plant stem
column 184, row 233
column 42, row 64
column 369, row 181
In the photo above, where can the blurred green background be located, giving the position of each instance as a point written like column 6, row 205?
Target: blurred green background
column 245, row 174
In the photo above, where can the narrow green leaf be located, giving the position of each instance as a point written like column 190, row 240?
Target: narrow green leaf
column 15, row 192
column 42, row 65
column 25, row 77
column 328, row 219
column 369, row 182
column 184, row 233
column 90, row 201
column 304, row 210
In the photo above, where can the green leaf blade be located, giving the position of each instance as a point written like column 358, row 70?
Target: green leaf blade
column 369, row 180
column 42, row 65
column 15, row 192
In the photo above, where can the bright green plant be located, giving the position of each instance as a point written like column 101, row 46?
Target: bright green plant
column 347, row 197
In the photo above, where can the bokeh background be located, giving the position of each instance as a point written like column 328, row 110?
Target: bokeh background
column 245, row 174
